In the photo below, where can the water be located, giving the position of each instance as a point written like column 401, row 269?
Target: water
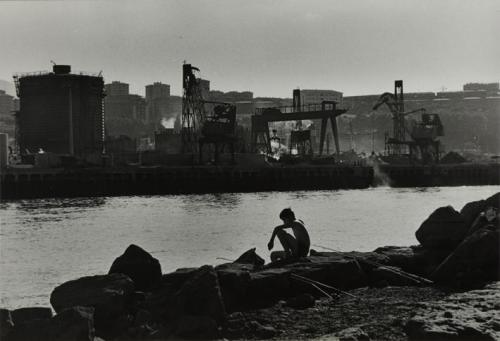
column 46, row 242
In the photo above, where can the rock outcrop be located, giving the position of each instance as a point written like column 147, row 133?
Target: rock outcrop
column 457, row 248
column 251, row 257
column 75, row 323
column 475, row 260
column 140, row 266
column 444, row 229
column 109, row 295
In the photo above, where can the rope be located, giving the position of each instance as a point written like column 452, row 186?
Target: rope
column 315, row 286
column 229, row 260
column 324, row 285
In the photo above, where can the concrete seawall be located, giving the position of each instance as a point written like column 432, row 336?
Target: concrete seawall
column 441, row 175
column 58, row 182
column 38, row 183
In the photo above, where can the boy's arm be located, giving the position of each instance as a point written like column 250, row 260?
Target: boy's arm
column 275, row 231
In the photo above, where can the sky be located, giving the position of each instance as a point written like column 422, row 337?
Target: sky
column 268, row 47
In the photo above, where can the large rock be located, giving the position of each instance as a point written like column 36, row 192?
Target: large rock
column 471, row 210
column 6, row 323
column 251, row 257
column 476, row 259
column 140, row 266
column 444, row 229
column 200, row 295
column 413, row 259
column 473, row 315
column 31, row 323
column 73, row 324
column 266, row 287
column 341, row 270
column 494, row 201
column 234, row 279
column 23, row 315
column 33, row 330
column 107, row 294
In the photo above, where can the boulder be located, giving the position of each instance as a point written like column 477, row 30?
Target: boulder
column 201, row 295
column 107, row 294
column 342, row 270
column 476, row 259
column 6, row 323
column 471, row 315
column 140, row 266
column 490, row 216
column 302, row 301
column 161, row 299
column 471, row 210
column 251, row 257
column 73, row 324
column 234, row 280
column 412, row 259
column 494, row 201
column 31, row 323
column 266, row 287
column 23, row 315
column 33, row 330
column 444, row 229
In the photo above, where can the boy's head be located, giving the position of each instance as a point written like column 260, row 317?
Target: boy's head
column 287, row 215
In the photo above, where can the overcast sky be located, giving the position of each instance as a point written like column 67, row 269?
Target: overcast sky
column 268, row 47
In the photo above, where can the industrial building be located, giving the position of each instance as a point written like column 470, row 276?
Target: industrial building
column 60, row 112
column 119, row 103
column 157, row 99
column 314, row 96
column 8, row 104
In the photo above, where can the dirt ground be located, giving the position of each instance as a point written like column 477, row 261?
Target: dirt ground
column 380, row 312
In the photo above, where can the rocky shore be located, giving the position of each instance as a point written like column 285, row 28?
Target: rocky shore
column 446, row 288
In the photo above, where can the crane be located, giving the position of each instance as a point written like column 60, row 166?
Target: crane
column 423, row 135
column 199, row 127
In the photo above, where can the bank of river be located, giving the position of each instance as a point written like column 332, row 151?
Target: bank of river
column 46, row 242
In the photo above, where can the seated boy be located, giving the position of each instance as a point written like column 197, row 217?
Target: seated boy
column 294, row 246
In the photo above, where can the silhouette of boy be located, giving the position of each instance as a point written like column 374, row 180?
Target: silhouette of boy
column 294, row 246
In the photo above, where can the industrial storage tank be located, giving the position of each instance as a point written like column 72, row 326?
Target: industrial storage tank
column 60, row 112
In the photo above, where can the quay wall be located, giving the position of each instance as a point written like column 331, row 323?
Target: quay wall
column 440, row 175
column 39, row 183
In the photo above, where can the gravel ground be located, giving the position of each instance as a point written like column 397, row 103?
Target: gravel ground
column 380, row 312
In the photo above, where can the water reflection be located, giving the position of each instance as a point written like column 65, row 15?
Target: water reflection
column 198, row 203
column 54, row 209
column 58, row 203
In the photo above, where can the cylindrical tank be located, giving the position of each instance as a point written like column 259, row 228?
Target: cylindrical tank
column 4, row 152
column 61, row 113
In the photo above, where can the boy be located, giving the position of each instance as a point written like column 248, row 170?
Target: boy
column 294, row 246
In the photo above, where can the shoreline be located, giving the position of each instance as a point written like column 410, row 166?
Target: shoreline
column 420, row 292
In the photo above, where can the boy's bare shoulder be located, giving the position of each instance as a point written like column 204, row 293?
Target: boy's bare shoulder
column 299, row 222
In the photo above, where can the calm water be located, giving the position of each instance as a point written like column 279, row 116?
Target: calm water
column 49, row 241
